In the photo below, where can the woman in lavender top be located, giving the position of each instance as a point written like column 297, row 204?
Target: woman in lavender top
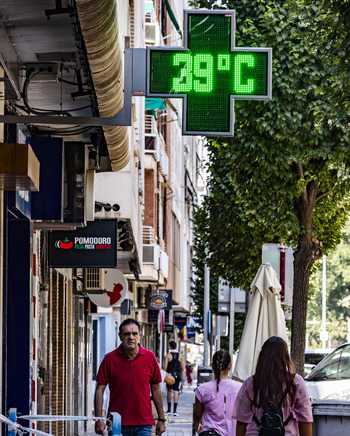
column 215, row 400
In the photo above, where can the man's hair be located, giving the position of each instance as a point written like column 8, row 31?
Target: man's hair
column 129, row 321
column 172, row 345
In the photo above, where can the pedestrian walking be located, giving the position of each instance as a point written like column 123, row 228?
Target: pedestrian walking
column 174, row 365
column 274, row 385
column 130, row 371
column 215, row 399
column 189, row 371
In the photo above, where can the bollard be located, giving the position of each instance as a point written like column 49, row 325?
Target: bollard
column 13, row 418
column 116, row 424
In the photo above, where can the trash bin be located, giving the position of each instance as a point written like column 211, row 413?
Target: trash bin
column 204, row 374
column 331, row 418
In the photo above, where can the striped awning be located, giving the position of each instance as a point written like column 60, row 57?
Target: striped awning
column 99, row 25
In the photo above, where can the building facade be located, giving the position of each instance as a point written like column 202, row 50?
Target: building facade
column 69, row 175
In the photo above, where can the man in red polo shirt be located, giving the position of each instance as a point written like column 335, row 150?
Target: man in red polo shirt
column 130, row 371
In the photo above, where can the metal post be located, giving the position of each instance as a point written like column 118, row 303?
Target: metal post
column 218, row 332
column 232, row 323
column 13, row 418
column 323, row 329
column 205, row 316
column 116, row 424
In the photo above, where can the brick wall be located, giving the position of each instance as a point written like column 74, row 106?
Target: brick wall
column 150, row 199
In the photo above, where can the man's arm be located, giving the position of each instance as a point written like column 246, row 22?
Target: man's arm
column 166, row 362
column 99, row 425
column 183, row 367
column 158, row 402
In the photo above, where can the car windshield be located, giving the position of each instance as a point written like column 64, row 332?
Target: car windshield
column 335, row 366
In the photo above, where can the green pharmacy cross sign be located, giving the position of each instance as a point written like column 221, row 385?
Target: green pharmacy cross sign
column 209, row 73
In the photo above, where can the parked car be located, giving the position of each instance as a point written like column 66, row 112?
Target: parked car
column 330, row 379
column 313, row 356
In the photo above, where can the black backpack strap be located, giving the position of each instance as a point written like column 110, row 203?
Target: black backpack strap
column 287, row 421
column 257, row 422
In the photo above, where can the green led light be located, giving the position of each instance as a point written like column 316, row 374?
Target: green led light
column 208, row 73
column 184, row 82
column 203, row 68
column 238, row 86
column 223, row 62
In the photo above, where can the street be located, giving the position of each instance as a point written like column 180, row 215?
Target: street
column 179, row 425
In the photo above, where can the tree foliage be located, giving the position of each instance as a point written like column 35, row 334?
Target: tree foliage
column 197, row 295
column 337, row 294
column 285, row 176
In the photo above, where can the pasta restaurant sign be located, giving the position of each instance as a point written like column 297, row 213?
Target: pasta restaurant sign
column 93, row 246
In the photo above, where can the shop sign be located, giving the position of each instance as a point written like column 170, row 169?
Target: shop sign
column 162, row 300
column 153, row 317
column 93, row 246
column 116, row 289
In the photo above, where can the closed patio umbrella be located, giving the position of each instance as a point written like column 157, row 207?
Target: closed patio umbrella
column 265, row 318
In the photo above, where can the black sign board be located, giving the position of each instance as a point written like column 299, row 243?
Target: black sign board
column 162, row 300
column 153, row 316
column 93, row 246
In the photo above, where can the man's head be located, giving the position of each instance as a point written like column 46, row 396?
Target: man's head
column 129, row 334
column 172, row 345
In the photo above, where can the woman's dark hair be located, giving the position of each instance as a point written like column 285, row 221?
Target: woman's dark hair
column 221, row 360
column 274, row 373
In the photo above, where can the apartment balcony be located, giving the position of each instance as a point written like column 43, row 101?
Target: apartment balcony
column 155, row 147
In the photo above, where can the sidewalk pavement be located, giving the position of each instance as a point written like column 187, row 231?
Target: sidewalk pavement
column 178, row 425
column 181, row 425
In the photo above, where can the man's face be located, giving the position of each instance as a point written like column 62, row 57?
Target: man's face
column 130, row 337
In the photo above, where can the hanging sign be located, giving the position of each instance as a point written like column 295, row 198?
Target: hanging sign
column 209, row 73
column 93, row 246
column 163, row 299
column 116, row 288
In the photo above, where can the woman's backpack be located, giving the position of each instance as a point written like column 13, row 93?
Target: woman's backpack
column 271, row 423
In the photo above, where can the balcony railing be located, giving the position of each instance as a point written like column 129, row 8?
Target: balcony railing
column 149, row 235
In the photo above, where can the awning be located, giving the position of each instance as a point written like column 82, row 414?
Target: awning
column 149, row 6
column 99, row 26
column 154, row 104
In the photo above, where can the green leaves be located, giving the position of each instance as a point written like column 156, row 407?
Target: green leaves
column 263, row 181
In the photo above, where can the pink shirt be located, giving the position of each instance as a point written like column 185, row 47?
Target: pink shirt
column 218, row 406
column 301, row 410
column 129, row 382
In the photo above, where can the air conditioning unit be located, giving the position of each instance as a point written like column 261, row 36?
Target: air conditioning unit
column 94, row 279
column 151, row 254
column 150, row 33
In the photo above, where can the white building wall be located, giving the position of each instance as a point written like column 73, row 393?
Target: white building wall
column 179, row 161
column 125, row 187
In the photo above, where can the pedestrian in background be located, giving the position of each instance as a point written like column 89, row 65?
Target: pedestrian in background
column 274, row 380
column 189, row 371
column 174, row 365
column 215, row 399
column 130, row 371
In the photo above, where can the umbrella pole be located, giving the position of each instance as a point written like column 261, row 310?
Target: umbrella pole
column 206, row 315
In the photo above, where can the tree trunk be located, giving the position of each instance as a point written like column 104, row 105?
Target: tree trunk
column 307, row 253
